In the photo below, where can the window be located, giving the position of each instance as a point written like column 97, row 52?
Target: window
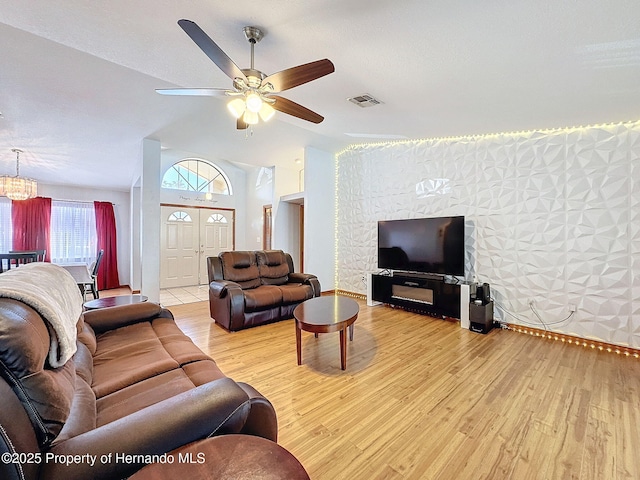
column 217, row 218
column 196, row 176
column 179, row 216
column 5, row 225
column 73, row 232
column 72, row 235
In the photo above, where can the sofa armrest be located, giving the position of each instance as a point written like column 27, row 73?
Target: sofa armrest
column 226, row 304
column 262, row 420
column 217, row 407
column 306, row 279
column 301, row 277
column 219, row 288
column 104, row 319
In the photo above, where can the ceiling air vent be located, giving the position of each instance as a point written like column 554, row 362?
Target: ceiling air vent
column 365, row 100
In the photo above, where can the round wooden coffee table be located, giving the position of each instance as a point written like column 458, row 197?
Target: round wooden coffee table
column 325, row 315
column 114, row 301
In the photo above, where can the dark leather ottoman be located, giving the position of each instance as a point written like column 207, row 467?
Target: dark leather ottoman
column 227, row 457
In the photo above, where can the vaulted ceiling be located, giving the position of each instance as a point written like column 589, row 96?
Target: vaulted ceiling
column 78, row 78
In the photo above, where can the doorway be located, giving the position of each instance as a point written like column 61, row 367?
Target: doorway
column 301, row 239
column 289, row 228
column 267, row 227
column 188, row 236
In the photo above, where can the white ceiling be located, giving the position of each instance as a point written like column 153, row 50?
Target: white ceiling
column 77, row 78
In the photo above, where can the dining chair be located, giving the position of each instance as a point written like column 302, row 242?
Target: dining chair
column 93, row 270
column 9, row 260
column 40, row 253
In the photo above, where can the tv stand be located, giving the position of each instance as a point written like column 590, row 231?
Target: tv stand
column 422, row 276
column 430, row 294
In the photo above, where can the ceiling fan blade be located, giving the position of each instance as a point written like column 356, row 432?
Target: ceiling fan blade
column 241, row 124
column 202, row 92
column 285, row 105
column 211, row 49
column 292, row 77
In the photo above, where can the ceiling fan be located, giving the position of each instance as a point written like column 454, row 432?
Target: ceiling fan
column 254, row 91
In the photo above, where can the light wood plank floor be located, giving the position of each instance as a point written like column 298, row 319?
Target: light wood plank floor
column 422, row 398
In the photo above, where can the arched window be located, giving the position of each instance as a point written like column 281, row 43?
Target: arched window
column 196, row 175
column 179, row 216
column 217, row 218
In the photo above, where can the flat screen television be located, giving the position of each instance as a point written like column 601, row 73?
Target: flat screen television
column 425, row 245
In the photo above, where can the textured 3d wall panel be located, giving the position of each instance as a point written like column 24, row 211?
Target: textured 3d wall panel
column 552, row 217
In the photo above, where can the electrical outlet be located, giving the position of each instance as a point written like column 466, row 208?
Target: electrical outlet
column 363, row 279
column 572, row 307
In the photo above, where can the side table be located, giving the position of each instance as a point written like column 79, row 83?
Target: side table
column 114, row 301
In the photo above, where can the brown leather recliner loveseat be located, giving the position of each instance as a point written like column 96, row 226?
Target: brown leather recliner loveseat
column 247, row 288
column 136, row 386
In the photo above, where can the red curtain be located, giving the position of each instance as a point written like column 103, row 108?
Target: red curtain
column 106, row 232
column 31, row 221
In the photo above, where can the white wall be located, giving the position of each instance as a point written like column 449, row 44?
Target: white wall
column 259, row 192
column 287, row 223
column 120, row 202
column 136, row 239
column 286, row 216
column 551, row 216
column 150, row 220
column 319, row 210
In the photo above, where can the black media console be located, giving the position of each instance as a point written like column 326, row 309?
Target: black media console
column 434, row 296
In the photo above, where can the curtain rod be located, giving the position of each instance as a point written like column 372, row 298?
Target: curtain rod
column 79, row 201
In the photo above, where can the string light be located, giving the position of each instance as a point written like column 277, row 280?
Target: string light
column 567, row 339
column 546, row 131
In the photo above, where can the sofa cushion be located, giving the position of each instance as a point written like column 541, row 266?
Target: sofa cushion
column 82, row 416
column 295, row 293
column 273, row 267
column 88, row 337
column 84, row 363
column 128, row 355
column 241, row 267
column 45, row 393
column 267, row 296
column 132, row 354
column 177, row 344
column 155, row 389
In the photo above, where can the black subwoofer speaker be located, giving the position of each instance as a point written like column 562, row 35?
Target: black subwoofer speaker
column 481, row 317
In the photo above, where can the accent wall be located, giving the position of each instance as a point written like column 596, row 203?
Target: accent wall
column 552, row 219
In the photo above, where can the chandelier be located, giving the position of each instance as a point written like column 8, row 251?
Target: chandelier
column 18, row 188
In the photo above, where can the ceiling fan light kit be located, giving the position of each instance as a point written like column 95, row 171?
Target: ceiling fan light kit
column 253, row 101
column 253, row 90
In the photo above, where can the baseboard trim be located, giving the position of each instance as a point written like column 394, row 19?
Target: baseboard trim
column 574, row 340
column 346, row 293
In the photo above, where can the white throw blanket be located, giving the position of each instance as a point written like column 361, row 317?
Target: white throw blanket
column 53, row 293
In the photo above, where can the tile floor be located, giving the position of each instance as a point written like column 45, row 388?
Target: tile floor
column 180, row 295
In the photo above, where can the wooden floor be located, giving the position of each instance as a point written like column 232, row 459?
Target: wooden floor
column 422, row 398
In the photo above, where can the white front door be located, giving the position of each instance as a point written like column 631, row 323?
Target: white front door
column 216, row 235
column 189, row 236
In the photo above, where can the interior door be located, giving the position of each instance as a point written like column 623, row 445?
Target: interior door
column 216, row 235
column 179, row 247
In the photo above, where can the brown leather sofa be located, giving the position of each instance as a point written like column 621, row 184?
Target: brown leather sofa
column 135, row 387
column 248, row 289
